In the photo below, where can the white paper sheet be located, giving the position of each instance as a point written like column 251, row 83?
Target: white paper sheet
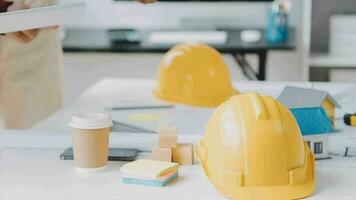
column 41, row 17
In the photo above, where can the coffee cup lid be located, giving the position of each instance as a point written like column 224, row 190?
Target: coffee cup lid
column 91, row 121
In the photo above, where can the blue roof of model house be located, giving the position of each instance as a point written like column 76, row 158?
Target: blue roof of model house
column 313, row 121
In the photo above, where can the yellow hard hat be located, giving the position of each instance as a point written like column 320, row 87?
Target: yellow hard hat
column 194, row 74
column 253, row 149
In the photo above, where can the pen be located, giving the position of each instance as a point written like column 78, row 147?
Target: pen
column 142, row 107
column 129, row 128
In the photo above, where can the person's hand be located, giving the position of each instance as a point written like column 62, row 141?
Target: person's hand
column 146, row 1
column 22, row 36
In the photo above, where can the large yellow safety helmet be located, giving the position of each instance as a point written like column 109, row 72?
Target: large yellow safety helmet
column 194, row 74
column 253, row 149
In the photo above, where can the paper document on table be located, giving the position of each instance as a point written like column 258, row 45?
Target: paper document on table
column 338, row 161
column 187, row 119
column 346, row 98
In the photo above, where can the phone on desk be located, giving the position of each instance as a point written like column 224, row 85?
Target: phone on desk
column 115, row 154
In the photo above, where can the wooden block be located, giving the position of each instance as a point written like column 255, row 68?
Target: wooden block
column 183, row 154
column 162, row 154
column 167, row 137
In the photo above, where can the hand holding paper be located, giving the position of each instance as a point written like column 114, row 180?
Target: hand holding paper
column 22, row 36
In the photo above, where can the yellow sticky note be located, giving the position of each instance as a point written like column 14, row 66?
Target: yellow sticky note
column 149, row 168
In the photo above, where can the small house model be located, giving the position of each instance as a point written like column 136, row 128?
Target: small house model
column 314, row 111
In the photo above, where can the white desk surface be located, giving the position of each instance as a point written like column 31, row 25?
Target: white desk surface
column 37, row 173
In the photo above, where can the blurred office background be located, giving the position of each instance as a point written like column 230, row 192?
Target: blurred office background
column 321, row 46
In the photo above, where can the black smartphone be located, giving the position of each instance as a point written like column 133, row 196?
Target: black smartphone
column 115, row 154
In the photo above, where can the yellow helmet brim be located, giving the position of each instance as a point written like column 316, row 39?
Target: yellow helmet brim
column 281, row 192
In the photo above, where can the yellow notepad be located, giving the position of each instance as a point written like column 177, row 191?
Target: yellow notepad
column 149, row 168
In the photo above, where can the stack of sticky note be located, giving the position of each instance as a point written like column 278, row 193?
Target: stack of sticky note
column 149, row 172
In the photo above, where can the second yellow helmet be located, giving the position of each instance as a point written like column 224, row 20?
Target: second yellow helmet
column 194, row 74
